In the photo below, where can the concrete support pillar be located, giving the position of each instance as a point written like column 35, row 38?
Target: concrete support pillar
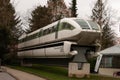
column 79, row 70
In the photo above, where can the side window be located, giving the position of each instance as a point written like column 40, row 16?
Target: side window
column 53, row 29
column 20, row 41
column 23, row 40
column 82, row 23
column 40, row 33
column 26, row 38
column 69, row 26
column 36, row 35
column 66, row 26
column 29, row 37
column 93, row 25
column 48, row 31
column 44, row 32
column 33, row 36
column 59, row 27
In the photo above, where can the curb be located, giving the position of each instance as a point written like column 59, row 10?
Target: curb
column 12, row 76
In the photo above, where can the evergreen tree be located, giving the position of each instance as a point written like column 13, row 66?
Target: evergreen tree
column 8, row 22
column 102, row 17
column 74, row 9
column 41, row 17
column 99, row 13
column 108, row 36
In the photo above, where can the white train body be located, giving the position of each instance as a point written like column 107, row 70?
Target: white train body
column 53, row 50
column 68, row 31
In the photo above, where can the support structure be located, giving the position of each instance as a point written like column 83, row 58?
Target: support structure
column 79, row 70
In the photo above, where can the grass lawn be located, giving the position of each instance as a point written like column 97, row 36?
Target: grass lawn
column 56, row 73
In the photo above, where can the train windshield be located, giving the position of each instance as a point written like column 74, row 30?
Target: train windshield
column 82, row 23
column 93, row 25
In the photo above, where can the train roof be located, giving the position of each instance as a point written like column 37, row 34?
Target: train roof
column 55, row 23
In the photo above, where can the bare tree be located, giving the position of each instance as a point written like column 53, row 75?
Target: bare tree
column 58, row 9
column 102, row 15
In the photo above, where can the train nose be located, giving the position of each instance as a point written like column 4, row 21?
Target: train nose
column 86, row 38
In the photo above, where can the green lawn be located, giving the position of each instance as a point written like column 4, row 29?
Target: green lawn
column 56, row 73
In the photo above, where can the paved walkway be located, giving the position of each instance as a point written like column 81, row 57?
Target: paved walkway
column 6, row 76
column 20, row 75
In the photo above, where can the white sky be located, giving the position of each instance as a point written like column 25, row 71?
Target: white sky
column 84, row 7
column 23, row 7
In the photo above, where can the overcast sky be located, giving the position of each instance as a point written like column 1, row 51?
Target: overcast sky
column 24, row 7
column 84, row 6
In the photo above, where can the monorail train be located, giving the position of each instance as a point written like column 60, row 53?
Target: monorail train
column 56, row 40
